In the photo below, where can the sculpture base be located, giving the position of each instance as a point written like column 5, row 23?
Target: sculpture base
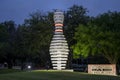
column 66, row 70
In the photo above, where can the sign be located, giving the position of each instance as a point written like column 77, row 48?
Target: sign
column 103, row 69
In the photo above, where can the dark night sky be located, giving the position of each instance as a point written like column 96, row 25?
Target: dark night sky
column 18, row 10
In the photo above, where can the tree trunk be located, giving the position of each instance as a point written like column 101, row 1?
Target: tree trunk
column 22, row 65
column 10, row 64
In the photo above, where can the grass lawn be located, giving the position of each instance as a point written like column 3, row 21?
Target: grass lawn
column 54, row 75
column 4, row 71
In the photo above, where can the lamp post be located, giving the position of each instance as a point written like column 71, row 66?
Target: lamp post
column 59, row 47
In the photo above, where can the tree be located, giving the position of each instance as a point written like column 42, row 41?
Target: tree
column 22, row 41
column 110, row 22
column 74, row 16
column 41, row 34
column 3, row 42
column 38, row 37
column 86, row 41
column 99, row 37
column 8, row 39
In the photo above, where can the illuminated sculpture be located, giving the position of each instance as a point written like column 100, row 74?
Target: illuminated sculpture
column 59, row 47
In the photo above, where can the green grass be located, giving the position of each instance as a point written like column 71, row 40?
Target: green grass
column 4, row 71
column 54, row 75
